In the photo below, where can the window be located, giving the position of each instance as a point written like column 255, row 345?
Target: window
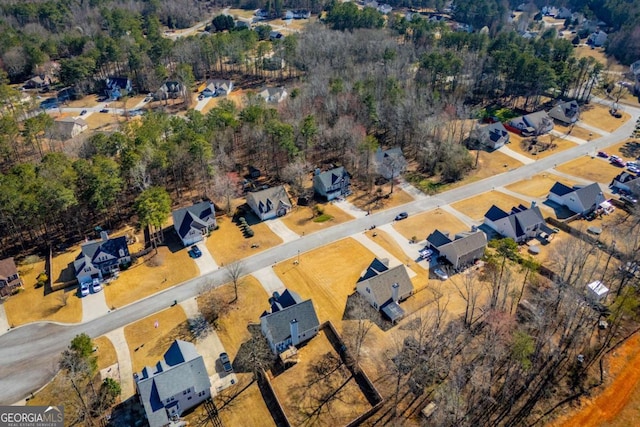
column 189, row 398
column 184, row 392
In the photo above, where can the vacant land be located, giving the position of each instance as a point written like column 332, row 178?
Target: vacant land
column 628, row 149
column 538, row 186
column 476, row 207
column 31, row 305
column 227, row 244
column 302, row 219
column 423, row 224
column 592, row 169
column 148, row 343
column 232, row 326
column 104, row 121
column 380, row 198
column 311, row 397
column 158, row 271
column 106, row 352
column 328, row 275
column 539, row 150
column 237, row 96
column 598, row 116
column 87, row 101
column 576, row 131
column 609, row 62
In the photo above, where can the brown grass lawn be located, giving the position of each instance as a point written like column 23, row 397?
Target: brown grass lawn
column 608, row 61
column 328, row 275
column 301, row 218
column 538, row 185
column 628, row 149
column 232, row 326
column 367, row 201
column 241, row 13
column 104, row 121
column 577, row 131
column 592, row 169
column 227, row 244
column 144, row 279
column 301, row 392
column 615, row 227
column 390, row 245
column 425, row 223
column 561, row 145
column 87, row 101
column 30, row 305
column 237, row 96
column 147, row 344
column 598, row 116
column 106, row 352
column 476, row 207
column 132, row 101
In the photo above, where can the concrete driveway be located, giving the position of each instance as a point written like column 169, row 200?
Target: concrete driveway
column 4, row 323
column 127, row 387
column 350, row 208
column 94, row 305
column 269, row 280
column 206, row 263
column 380, row 252
column 411, row 250
column 277, row 226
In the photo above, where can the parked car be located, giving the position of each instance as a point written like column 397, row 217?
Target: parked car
column 84, row 290
column 614, row 157
column 629, row 199
column 104, row 110
column 617, row 162
column 603, row 154
column 195, row 251
column 401, row 216
column 96, row 286
column 442, row 275
column 226, row 363
column 83, row 112
column 633, row 169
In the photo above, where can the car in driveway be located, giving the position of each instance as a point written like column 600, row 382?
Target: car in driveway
column 401, row 216
column 617, row 161
column 83, row 112
column 226, row 363
column 629, row 199
column 96, row 286
column 104, row 110
column 84, row 289
column 195, row 251
column 440, row 273
column 633, row 169
column 603, row 154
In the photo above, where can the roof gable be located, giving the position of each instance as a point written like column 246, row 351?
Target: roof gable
column 195, row 216
column 468, row 243
column 7, row 268
column 268, row 199
column 559, row 189
column 278, row 323
column 380, row 284
column 376, row 267
column 438, row 239
column 495, row 213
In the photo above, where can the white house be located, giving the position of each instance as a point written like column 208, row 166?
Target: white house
column 566, row 112
column 580, row 200
column 218, row 88
column 273, row 94
column 174, row 385
column 391, row 163
column 521, row 223
column 194, row 222
column 269, row 203
column 101, row 257
column 69, row 127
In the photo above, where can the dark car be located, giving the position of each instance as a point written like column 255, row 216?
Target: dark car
column 195, row 251
column 83, row 112
column 603, row 154
column 401, row 216
column 104, row 110
column 226, row 363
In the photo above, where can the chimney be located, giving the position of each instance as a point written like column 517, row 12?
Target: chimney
column 104, row 236
column 395, row 291
column 533, row 204
column 295, row 340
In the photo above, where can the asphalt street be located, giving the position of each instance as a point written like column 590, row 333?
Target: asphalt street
column 28, row 354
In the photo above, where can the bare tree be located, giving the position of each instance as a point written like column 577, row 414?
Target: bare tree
column 356, row 331
column 225, row 186
column 235, row 271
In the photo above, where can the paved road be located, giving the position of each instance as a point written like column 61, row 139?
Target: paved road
column 28, row 354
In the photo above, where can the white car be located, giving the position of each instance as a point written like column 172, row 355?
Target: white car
column 84, row 290
column 96, row 286
column 442, row 275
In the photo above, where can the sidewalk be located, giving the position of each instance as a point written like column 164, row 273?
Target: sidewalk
column 593, row 128
column 413, row 191
column 578, row 141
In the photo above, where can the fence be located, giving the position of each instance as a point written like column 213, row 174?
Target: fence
column 564, row 226
column 272, row 401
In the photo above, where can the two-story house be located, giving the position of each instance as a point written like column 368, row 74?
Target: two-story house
column 391, row 163
column 174, row 385
column 101, row 258
column 194, row 222
column 461, row 251
column 580, row 200
column 521, row 223
column 269, row 203
column 385, row 287
column 332, row 183
column 9, row 277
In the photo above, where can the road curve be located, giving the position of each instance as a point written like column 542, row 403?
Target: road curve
column 28, row 354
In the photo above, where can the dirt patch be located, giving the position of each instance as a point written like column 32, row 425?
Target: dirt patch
column 423, row 224
column 31, row 305
column 150, row 275
column 379, row 200
column 106, row 352
column 476, row 207
column 598, row 116
column 591, row 169
column 538, row 186
column 319, row 389
column 148, row 343
column 545, row 146
column 236, row 96
column 327, row 275
column 104, row 121
column 301, row 219
column 227, row 244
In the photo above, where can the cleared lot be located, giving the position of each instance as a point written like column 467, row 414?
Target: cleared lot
column 423, row 224
column 538, row 185
column 598, row 116
column 476, row 207
column 537, row 151
column 592, row 169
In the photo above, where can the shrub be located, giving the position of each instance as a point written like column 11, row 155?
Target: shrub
column 249, row 232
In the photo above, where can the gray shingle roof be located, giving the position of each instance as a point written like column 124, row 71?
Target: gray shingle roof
column 380, row 285
column 567, row 112
column 330, row 177
column 469, row 243
column 268, row 199
column 278, row 322
column 589, row 195
column 195, row 216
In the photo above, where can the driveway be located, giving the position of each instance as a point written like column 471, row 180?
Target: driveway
column 269, row 280
column 206, row 263
column 202, row 103
column 94, row 306
column 413, row 191
column 411, row 250
column 462, row 217
column 127, row 387
column 350, row 208
column 381, row 252
column 520, row 157
column 4, row 323
column 277, row 226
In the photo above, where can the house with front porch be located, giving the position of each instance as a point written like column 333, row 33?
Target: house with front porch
column 332, row 183
column 101, row 258
column 194, row 222
column 269, row 203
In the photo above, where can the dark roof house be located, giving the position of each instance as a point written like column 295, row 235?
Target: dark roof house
column 101, row 257
column 464, row 250
column 385, row 287
column 493, row 135
column 566, row 113
column 290, row 322
column 332, row 183
column 520, row 224
column 627, row 182
column 192, row 223
column 174, row 385
column 9, row 277
column 580, row 200
column 538, row 122
column 391, row 163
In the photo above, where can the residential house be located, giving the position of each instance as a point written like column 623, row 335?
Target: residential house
column 627, row 182
column 332, row 183
column 275, row 35
column 218, row 88
column 391, row 163
column 580, row 200
column 101, row 258
column 269, row 203
column 464, row 250
column 37, row 82
column 174, row 385
column 597, row 38
column 69, row 127
column 549, row 11
column 9, row 277
column 635, row 69
column 534, row 123
column 384, row 288
column 385, row 9
column 170, row 90
column 290, row 322
column 118, row 87
column 597, row 291
column 194, row 222
column 274, row 94
column 563, row 13
column 520, row 224
column 566, row 113
column 493, row 135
